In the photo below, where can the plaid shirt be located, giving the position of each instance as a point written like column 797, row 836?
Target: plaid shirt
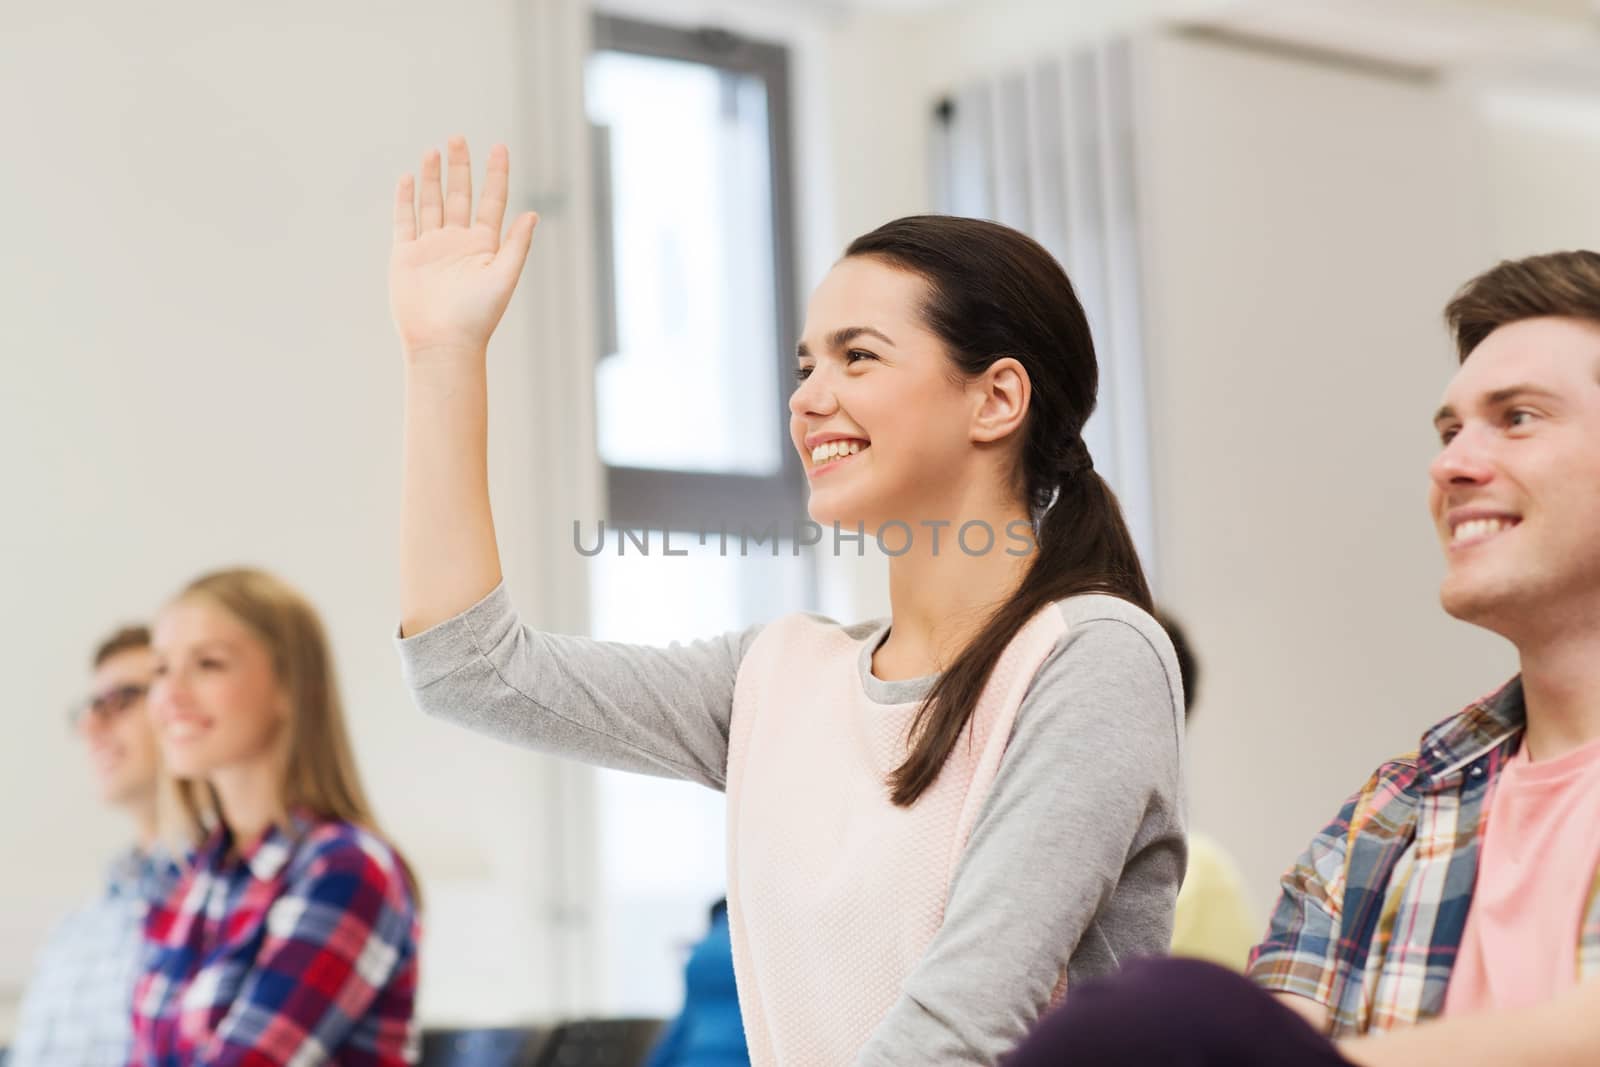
column 1373, row 912
column 75, row 1012
column 301, row 950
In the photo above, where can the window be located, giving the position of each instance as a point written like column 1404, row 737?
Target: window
column 697, row 276
column 662, row 843
column 692, row 382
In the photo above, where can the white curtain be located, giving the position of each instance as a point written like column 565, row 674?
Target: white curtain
column 1050, row 151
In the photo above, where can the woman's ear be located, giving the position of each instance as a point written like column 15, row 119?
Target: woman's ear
column 999, row 400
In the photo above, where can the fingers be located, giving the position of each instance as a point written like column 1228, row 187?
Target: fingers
column 431, row 211
column 405, row 212
column 492, row 205
column 514, row 250
column 458, row 204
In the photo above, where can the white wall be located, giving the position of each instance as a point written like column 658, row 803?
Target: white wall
column 1305, row 227
column 199, row 370
column 1541, row 153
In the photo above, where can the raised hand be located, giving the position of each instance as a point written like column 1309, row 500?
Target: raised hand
column 450, row 274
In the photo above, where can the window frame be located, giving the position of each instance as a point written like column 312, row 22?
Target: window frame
column 655, row 498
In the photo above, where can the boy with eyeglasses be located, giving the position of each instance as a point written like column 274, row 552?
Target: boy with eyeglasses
column 78, row 1003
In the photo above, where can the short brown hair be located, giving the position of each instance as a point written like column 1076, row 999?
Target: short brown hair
column 123, row 640
column 1560, row 283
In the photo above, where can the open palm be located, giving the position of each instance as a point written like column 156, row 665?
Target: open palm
column 450, row 274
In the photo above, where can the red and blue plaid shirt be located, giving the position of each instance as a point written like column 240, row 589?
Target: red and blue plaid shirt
column 299, row 949
column 1373, row 913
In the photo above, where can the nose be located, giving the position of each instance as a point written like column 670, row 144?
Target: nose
column 91, row 725
column 167, row 692
column 1463, row 462
column 814, row 395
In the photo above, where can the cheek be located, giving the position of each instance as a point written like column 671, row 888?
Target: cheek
column 250, row 721
column 134, row 727
column 243, row 707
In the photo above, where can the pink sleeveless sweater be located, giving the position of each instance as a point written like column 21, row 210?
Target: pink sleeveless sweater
column 834, row 893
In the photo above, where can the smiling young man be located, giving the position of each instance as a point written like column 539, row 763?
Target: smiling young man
column 1462, row 880
column 77, row 1010
column 1460, row 887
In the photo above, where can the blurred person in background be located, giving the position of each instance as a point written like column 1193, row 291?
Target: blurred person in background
column 1214, row 921
column 709, row 1031
column 77, row 1005
column 292, row 937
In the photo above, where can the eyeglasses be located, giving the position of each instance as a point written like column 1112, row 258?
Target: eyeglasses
column 107, row 707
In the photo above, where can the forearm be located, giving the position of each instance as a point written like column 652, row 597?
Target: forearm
column 1560, row 1033
column 1310, row 1010
column 448, row 556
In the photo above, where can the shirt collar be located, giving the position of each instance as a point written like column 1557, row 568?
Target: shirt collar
column 265, row 856
column 1483, row 726
column 143, row 874
column 122, row 877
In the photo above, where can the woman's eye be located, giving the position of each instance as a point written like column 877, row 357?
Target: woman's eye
column 1519, row 417
column 855, row 355
column 802, row 373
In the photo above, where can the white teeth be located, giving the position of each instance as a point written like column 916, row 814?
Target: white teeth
column 831, row 449
column 182, row 731
column 1474, row 529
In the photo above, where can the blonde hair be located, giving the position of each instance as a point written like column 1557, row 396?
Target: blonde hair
column 319, row 774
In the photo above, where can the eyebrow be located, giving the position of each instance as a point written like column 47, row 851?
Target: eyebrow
column 1499, row 398
column 843, row 336
column 210, row 644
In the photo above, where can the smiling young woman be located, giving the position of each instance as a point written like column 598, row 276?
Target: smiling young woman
column 939, row 821
column 293, row 935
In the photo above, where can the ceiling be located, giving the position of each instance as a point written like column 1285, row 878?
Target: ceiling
column 1429, row 36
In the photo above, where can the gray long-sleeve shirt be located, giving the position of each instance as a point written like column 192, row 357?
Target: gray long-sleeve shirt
column 1074, row 863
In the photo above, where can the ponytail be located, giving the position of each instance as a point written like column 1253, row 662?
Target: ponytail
column 991, row 293
column 1083, row 546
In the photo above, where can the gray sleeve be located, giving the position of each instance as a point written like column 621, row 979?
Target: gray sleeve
column 661, row 711
column 1078, row 852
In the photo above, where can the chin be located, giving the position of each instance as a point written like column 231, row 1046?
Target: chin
column 825, row 511
column 1458, row 602
column 185, row 766
column 1480, row 604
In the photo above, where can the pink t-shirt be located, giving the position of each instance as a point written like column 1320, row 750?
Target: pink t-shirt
column 1534, row 874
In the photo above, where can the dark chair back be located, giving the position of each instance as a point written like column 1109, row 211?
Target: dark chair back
column 600, row 1043
column 496, row 1047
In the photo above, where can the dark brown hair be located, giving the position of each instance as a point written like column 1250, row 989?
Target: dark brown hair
column 123, row 640
column 1560, row 283
column 1188, row 665
column 992, row 293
